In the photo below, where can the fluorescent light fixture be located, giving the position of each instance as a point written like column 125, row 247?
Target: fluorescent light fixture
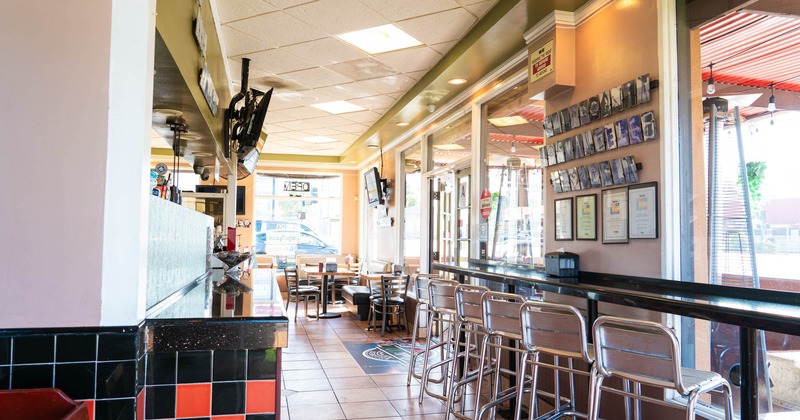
column 451, row 146
column 380, row 39
column 506, row 121
column 457, row 81
column 202, row 154
column 338, row 107
column 165, row 112
column 401, row 124
column 190, row 137
column 318, row 139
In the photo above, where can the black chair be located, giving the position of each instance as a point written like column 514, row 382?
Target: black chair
column 298, row 292
column 391, row 300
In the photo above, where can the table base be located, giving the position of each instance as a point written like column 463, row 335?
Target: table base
column 328, row 316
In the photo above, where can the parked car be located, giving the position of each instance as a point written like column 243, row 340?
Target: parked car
column 281, row 242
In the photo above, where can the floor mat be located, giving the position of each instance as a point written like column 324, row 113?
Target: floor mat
column 388, row 356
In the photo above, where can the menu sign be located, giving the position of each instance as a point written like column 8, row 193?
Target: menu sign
column 296, row 186
column 541, row 62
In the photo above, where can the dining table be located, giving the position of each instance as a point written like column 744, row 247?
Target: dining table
column 327, row 276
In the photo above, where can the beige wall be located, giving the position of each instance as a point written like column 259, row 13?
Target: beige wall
column 626, row 49
column 382, row 241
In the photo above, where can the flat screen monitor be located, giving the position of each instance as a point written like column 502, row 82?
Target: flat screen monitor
column 251, row 135
column 372, row 182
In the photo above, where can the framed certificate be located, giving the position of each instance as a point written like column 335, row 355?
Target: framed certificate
column 563, row 219
column 586, row 217
column 643, row 211
column 615, row 216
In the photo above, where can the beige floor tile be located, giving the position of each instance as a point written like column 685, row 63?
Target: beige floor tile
column 346, row 372
column 372, row 409
column 301, row 365
column 390, row 380
column 317, row 412
column 319, row 384
column 312, row 398
column 412, row 407
column 294, row 357
column 355, row 382
column 334, row 355
column 329, row 348
column 359, row 395
column 401, row 392
column 302, row 374
column 338, row 363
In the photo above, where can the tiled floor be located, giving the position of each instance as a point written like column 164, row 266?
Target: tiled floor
column 322, row 381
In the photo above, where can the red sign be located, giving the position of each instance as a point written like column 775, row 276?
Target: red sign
column 486, row 203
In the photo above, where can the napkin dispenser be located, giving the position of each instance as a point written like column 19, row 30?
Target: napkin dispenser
column 561, row 264
column 331, row 267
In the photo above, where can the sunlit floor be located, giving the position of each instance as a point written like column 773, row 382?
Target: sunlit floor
column 321, row 380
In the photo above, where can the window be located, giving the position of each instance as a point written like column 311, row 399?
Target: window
column 297, row 214
column 411, row 210
column 514, row 177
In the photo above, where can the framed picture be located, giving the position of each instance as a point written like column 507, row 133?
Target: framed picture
column 563, row 219
column 615, row 216
column 586, row 217
column 643, row 211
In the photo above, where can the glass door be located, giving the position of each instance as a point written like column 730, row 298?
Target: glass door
column 463, row 215
column 442, row 219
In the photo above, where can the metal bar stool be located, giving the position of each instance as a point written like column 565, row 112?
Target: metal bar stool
column 645, row 352
column 423, row 306
column 560, row 332
column 443, row 307
column 501, row 321
column 469, row 325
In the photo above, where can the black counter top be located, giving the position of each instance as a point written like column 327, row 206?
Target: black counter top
column 753, row 308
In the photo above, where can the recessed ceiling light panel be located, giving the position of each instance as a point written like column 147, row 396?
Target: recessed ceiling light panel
column 451, row 146
column 380, row 39
column 338, row 107
column 457, row 81
column 401, row 124
column 506, row 121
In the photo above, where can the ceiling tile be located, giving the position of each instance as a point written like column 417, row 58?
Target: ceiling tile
column 347, row 91
column 363, row 69
column 322, row 52
column 237, row 43
column 338, row 16
column 303, row 97
column 444, row 47
column 277, row 29
column 278, row 116
column 375, row 102
column 416, row 75
column 411, row 59
column 316, row 77
column 331, row 121
column 276, row 61
column 353, row 128
column 366, row 117
column 325, row 132
column 263, row 81
column 440, row 27
column 406, row 9
column 390, row 84
column 302, row 112
column 282, row 4
column 481, row 8
column 235, row 10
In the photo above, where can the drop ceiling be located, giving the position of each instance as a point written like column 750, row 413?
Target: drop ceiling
column 293, row 47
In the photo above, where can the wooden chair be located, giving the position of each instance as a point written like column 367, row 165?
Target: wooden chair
column 390, row 301
column 298, row 292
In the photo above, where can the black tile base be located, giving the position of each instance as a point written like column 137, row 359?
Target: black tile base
column 227, row 398
column 114, row 409
column 32, row 376
column 159, row 402
column 76, row 380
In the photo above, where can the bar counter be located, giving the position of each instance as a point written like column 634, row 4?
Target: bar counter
column 749, row 309
column 233, row 362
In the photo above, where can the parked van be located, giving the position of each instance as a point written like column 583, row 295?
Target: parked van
column 282, row 242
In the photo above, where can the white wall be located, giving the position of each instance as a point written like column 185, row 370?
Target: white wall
column 55, row 116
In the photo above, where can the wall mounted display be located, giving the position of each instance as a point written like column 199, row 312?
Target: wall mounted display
column 560, row 152
column 574, row 116
column 594, row 175
column 543, row 156
column 605, row 104
column 615, row 216
column 566, row 125
column 643, row 88
column 563, row 219
column 551, row 154
column 555, row 179
column 565, row 187
column 617, row 173
column 588, row 143
column 643, row 211
column 594, row 108
column 599, row 139
column 605, row 174
column 611, row 137
column 649, row 126
column 583, row 112
column 574, row 181
column 586, row 217
column 577, row 145
column 583, row 174
column 629, row 167
column 635, row 134
column 556, row 121
column 621, row 128
column 569, row 152
column 616, row 100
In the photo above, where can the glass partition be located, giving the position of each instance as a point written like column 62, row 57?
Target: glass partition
column 514, row 229
column 412, row 160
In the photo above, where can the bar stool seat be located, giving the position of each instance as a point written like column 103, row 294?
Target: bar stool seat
column 423, row 308
column 558, row 331
column 645, row 352
column 443, row 307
